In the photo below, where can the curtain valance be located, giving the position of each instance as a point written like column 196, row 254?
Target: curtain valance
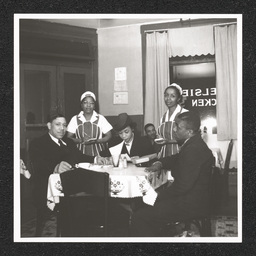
column 191, row 41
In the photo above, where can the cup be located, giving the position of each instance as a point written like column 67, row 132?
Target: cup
column 115, row 160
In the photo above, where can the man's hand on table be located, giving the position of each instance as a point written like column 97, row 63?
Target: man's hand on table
column 62, row 167
column 156, row 167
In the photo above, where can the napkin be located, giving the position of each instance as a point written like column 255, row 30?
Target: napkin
column 150, row 197
column 23, row 170
column 169, row 176
column 54, row 191
column 116, row 150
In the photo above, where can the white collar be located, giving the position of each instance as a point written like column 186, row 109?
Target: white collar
column 176, row 111
column 130, row 143
column 94, row 117
column 57, row 140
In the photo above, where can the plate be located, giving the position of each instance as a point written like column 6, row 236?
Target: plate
column 159, row 140
column 84, row 165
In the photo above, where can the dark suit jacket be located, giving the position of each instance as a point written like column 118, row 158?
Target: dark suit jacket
column 156, row 147
column 140, row 147
column 191, row 169
column 45, row 154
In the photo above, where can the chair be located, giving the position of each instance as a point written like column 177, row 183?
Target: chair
column 83, row 211
column 220, row 190
column 227, row 170
column 42, row 213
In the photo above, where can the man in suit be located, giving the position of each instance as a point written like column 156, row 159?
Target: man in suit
column 53, row 153
column 188, row 196
column 151, row 135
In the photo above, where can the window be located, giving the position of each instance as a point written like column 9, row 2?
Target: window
column 196, row 76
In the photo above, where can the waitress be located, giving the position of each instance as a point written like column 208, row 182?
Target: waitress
column 88, row 127
column 173, row 100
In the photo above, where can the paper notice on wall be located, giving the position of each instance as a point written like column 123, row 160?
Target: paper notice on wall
column 120, row 74
column 120, row 97
column 120, row 86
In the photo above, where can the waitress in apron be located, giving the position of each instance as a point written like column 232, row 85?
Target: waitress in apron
column 87, row 128
column 173, row 98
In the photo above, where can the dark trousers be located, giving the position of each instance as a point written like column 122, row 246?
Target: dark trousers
column 42, row 215
column 149, row 221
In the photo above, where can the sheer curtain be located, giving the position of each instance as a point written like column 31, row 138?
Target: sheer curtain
column 191, row 41
column 157, row 76
column 226, row 80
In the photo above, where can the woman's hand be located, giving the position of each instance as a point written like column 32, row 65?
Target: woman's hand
column 109, row 160
column 133, row 158
column 100, row 160
column 161, row 141
column 103, row 160
column 87, row 140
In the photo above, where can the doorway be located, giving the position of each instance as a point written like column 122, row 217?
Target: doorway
column 198, row 81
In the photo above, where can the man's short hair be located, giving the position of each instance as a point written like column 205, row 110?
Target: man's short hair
column 53, row 115
column 192, row 120
column 147, row 125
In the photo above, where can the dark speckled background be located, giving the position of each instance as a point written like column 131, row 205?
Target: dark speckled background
column 247, row 8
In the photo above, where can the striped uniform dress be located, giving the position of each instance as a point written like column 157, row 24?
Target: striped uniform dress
column 165, row 130
column 93, row 130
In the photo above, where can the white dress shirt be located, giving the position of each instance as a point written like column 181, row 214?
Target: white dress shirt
column 57, row 140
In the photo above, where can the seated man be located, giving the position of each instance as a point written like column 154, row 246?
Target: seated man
column 151, row 135
column 188, row 196
column 52, row 153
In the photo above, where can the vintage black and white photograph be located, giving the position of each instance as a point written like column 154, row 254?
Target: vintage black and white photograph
column 128, row 128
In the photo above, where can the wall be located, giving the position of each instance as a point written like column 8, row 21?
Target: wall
column 212, row 142
column 120, row 47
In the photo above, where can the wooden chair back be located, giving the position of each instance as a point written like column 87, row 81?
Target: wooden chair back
column 83, row 210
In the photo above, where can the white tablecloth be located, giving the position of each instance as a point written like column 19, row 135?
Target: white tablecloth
column 127, row 182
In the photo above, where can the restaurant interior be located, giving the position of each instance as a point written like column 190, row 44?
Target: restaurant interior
column 120, row 60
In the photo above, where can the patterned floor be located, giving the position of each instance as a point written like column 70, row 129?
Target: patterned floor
column 222, row 226
column 225, row 226
column 28, row 229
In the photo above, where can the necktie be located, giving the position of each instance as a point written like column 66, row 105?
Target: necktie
column 127, row 146
column 61, row 144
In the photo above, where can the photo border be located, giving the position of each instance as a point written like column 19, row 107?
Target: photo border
column 17, row 223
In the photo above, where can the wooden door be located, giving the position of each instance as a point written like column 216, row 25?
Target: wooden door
column 72, row 83
column 38, row 95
